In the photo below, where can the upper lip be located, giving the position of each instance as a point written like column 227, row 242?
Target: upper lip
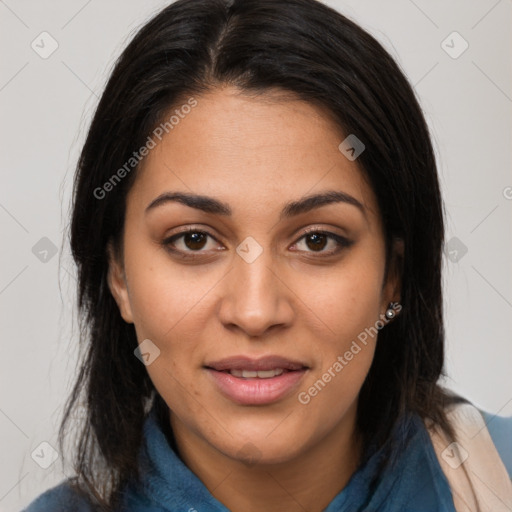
column 261, row 364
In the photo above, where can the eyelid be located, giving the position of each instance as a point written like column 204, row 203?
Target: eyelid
column 319, row 229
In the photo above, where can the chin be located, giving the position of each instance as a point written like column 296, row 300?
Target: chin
column 261, row 450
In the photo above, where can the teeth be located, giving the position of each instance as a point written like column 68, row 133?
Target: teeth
column 262, row 374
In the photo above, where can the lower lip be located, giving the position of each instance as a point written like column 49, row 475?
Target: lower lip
column 256, row 391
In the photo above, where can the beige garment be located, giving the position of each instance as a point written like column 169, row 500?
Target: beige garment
column 477, row 476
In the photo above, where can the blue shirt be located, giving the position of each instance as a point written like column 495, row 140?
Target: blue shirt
column 413, row 482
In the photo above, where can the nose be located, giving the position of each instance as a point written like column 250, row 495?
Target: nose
column 256, row 298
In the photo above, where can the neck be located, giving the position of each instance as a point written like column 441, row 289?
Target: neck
column 308, row 482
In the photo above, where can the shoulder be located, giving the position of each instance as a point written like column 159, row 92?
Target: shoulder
column 471, row 463
column 500, row 429
column 61, row 498
column 485, row 429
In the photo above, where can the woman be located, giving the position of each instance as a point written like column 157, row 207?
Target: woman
column 258, row 230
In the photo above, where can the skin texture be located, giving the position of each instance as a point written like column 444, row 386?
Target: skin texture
column 256, row 153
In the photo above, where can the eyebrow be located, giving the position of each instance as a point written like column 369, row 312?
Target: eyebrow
column 211, row 205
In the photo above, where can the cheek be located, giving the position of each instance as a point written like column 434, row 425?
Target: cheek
column 165, row 296
column 346, row 299
column 344, row 355
column 348, row 303
column 171, row 306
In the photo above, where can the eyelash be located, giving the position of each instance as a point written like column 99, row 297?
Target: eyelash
column 342, row 242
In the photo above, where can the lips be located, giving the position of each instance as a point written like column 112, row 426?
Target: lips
column 263, row 381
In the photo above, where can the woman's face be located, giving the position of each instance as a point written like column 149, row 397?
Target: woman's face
column 248, row 282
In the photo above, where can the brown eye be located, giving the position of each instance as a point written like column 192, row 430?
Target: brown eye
column 194, row 240
column 316, row 241
column 188, row 242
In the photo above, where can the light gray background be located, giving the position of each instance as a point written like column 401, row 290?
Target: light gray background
column 46, row 105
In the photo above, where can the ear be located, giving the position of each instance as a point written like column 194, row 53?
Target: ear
column 392, row 289
column 117, row 284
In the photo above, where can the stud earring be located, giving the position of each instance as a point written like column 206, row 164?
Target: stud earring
column 390, row 312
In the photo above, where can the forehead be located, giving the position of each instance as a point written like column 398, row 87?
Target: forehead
column 251, row 150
